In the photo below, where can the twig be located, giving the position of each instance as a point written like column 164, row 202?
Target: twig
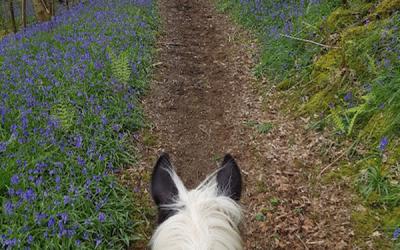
column 45, row 7
column 330, row 164
column 157, row 64
column 309, row 41
column 304, row 244
column 172, row 44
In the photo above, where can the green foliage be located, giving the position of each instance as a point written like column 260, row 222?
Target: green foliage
column 264, row 127
column 353, row 80
column 275, row 201
column 67, row 111
column 120, row 65
column 65, row 114
column 260, row 217
column 374, row 179
column 337, row 120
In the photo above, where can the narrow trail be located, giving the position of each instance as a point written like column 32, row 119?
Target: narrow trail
column 203, row 102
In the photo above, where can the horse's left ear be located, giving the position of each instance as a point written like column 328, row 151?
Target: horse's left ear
column 163, row 188
column 229, row 179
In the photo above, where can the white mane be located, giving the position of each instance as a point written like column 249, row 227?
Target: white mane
column 204, row 220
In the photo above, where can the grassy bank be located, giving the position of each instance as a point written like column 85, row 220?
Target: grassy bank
column 68, row 106
column 339, row 61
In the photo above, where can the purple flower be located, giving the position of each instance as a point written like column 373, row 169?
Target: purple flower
column 67, row 199
column 78, row 141
column 98, row 242
column 102, row 217
column 3, row 146
column 104, row 120
column 29, row 239
column 396, row 233
column 383, row 143
column 116, row 127
column 81, row 161
column 348, row 97
column 51, row 222
column 64, row 217
column 10, row 243
column 39, row 217
column 29, row 195
column 14, row 179
column 9, row 208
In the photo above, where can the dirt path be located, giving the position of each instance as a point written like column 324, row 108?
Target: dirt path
column 203, row 104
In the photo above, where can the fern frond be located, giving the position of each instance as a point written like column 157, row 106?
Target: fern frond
column 65, row 113
column 120, row 66
column 358, row 110
column 337, row 120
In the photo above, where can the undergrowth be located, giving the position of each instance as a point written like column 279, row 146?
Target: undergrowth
column 68, row 106
column 340, row 61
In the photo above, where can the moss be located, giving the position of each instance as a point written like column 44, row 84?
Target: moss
column 394, row 148
column 343, row 172
column 285, row 84
column 377, row 126
column 318, row 102
column 356, row 32
column 358, row 47
column 343, row 17
column 324, row 81
column 392, row 220
column 386, row 8
column 329, row 61
column 365, row 222
column 339, row 19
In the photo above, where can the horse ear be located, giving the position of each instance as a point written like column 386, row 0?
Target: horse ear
column 163, row 188
column 229, row 179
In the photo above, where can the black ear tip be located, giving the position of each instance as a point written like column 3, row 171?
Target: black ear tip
column 164, row 159
column 164, row 156
column 162, row 162
column 228, row 158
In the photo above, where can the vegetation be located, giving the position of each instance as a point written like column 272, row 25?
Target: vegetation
column 68, row 105
column 341, row 61
column 17, row 14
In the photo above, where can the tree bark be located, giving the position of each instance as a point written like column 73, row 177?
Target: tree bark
column 12, row 15
column 53, row 8
column 3, row 16
column 42, row 10
column 23, row 13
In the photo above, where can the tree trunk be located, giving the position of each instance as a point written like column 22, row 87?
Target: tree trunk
column 12, row 15
column 53, row 7
column 42, row 10
column 3, row 16
column 23, row 13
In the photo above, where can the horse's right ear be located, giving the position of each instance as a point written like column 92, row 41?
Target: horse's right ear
column 229, row 179
column 163, row 188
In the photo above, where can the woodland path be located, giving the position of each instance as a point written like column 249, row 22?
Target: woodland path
column 204, row 102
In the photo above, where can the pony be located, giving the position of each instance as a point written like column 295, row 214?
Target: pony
column 205, row 218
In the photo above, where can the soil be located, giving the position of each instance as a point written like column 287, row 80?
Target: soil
column 204, row 102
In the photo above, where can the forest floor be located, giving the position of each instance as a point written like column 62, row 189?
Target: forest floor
column 204, row 102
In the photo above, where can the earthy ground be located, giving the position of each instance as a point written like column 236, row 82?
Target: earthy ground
column 204, row 102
